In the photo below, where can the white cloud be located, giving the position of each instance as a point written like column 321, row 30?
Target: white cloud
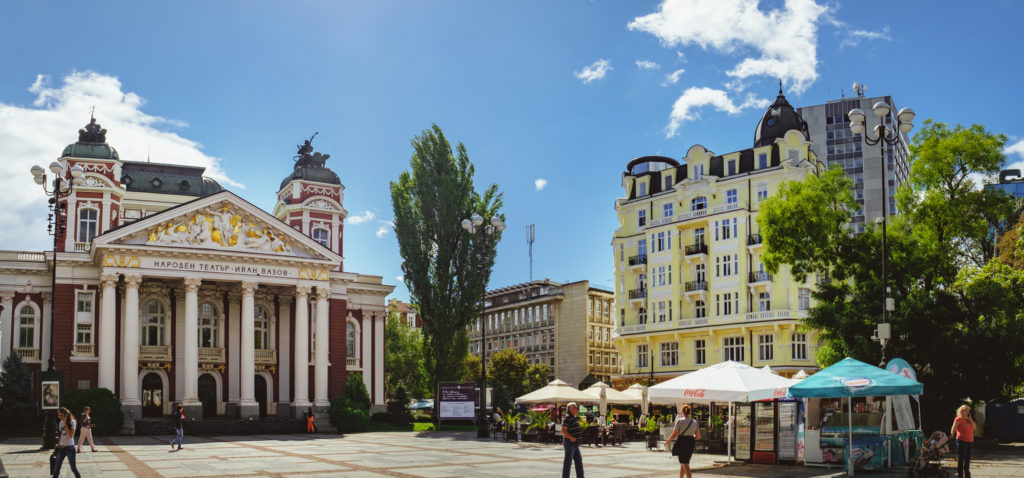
column 37, row 134
column 595, row 71
column 1015, row 148
column 357, row 219
column 786, row 39
column 685, row 108
column 647, row 65
column 854, row 37
column 673, row 78
column 381, row 232
column 400, row 278
column 540, row 183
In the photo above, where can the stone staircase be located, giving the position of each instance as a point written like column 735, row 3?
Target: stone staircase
column 222, row 426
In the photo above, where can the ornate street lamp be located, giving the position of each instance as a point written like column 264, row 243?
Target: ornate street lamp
column 64, row 181
column 472, row 225
column 883, row 136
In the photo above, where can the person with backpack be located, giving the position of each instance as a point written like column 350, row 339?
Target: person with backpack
column 688, row 431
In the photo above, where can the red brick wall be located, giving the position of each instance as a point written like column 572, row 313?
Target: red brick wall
column 337, row 373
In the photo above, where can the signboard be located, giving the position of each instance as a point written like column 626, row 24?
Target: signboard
column 215, row 267
column 51, row 395
column 457, row 401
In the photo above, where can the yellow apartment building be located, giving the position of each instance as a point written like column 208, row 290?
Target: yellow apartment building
column 690, row 287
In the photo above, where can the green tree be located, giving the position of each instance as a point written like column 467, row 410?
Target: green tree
column 403, row 353
column 19, row 405
column 949, row 310
column 472, row 368
column 537, row 376
column 445, row 271
column 350, row 411
column 507, row 370
column 104, row 409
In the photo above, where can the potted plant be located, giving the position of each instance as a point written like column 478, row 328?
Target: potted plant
column 538, row 421
column 511, row 419
column 650, row 430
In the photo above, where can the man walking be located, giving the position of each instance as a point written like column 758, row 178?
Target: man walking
column 572, row 433
column 179, row 417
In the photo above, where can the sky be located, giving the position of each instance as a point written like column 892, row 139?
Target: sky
column 551, row 99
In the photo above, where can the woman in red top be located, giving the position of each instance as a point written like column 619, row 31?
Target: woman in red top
column 963, row 430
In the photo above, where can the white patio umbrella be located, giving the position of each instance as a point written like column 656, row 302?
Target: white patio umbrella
column 638, row 392
column 768, row 368
column 723, row 382
column 556, row 391
column 800, row 375
column 609, row 395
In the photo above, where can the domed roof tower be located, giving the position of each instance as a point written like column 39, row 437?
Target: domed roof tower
column 91, row 144
column 780, row 118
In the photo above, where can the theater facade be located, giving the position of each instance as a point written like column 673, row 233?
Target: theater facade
column 169, row 288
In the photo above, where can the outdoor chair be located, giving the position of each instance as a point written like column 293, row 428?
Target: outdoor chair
column 496, row 428
column 617, row 434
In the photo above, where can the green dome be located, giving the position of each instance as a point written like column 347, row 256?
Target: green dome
column 90, row 150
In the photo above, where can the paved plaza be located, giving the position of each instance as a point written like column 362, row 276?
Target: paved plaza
column 398, row 454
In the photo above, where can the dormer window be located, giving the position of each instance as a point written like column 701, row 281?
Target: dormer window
column 641, row 188
column 731, row 167
column 323, row 236
column 698, row 171
column 762, row 161
column 668, row 182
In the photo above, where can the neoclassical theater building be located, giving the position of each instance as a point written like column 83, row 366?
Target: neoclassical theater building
column 170, row 288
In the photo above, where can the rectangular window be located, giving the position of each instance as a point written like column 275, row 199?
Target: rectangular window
column 622, row 252
column 698, row 171
column 731, row 196
column 668, row 240
column 762, row 191
column 641, row 356
column 661, row 241
column 799, row 346
column 622, row 317
column 735, row 232
column 641, row 218
column 727, row 304
column 764, row 302
column 668, row 182
column 727, row 232
column 83, row 334
column 718, row 267
column 698, row 235
column 85, row 302
column 716, row 230
column 669, row 274
column 733, row 348
column 661, row 311
column 803, row 298
column 642, row 315
column 661, row 276
column 87, row 224
column 762, row 161
column 736, row 264
column 666, row 210
column 669, row 354
column 766, row 347
column 641, row 247
column 643, row 188
column 732, row 167
column 699, row 352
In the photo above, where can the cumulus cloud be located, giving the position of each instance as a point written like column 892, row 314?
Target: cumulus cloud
column 647, row 65
column 595, row 71
column 37, row 133
column 1017, row 149
column 400, row 278
column 686, row 106
column 540, row 183
column 673, row 78
column 357, row 219
column 381, row 232
column 854, row 37
column 785, row 39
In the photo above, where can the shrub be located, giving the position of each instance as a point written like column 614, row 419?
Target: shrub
column 398, row 407
column 19, row 405
column 105, row 408
column 350, row 411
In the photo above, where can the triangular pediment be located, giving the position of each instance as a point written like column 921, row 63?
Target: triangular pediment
column 221, row 222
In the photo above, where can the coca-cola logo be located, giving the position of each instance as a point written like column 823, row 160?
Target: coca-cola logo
column 779, row 392
column 853, row 382
column 694, row 393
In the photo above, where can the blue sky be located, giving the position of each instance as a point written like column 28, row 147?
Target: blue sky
column 566, row 91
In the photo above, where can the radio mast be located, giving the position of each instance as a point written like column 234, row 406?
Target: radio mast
column 530, row 237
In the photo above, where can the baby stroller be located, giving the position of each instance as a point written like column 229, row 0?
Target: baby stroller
column 929, row 463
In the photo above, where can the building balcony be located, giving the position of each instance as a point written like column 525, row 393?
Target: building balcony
column 715, row 321
column 755, row 241
column 638, row 295
column 84, row 350
column 698, row 250
column 211, row 355
column 82, row 246
column 759, row 277
column 266, row 356
column 353, row 362
column 639, row 260
column 155, row 353
column 27, row 354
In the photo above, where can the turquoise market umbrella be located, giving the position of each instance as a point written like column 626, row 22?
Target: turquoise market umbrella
column 852, row 378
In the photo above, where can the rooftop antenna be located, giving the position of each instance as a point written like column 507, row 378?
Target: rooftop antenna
column 92, row 113
column 859, row 88
column 530, row 238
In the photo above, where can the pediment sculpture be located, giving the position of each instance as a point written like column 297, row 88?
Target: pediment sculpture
column 219, row 227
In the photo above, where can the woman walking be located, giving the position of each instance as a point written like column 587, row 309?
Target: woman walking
column 963, row 430
column 86, row 433
column 66, row 445
column 687, row 430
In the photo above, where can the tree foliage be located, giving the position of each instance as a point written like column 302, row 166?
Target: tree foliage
column 404, row 356
column 104, row 409
column 472, row 368
column 537, row 376
column 507, row 370
column 445, row 270
column 350, row 411
column 19, row 402
column 958, row 314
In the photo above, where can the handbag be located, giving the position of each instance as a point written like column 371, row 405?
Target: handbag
column 53, row 460
column 675, row 446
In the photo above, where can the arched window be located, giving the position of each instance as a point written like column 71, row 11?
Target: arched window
column 352, row 339
column 209, row 326
column 154, row 319
column 262, row 335
column 698, row 203
column 27, row 327
column 700, row 310
column 88, row 223
column 323, row 236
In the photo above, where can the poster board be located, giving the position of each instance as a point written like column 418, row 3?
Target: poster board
column 50, row 399
column 457, row 401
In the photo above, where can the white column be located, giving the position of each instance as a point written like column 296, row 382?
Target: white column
column 44, row 338
column 378, row 359
column 248, row 352
column 366, row 349
column 108, row 332
column 130, row 353
column 191, row 338
column 284, row 347
column 322, row 341
column 179, row 350
column 7, row 323
column 301, row 368
column 233, row 357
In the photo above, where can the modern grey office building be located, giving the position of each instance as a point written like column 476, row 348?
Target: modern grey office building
column 834, row 143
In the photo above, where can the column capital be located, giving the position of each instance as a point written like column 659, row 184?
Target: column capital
column 133, row 280
column 323, row 292
column 109, row 279
column 302, row 291
column 192, row 284
column 248, row 288
column 46, row 296
column 6, row 298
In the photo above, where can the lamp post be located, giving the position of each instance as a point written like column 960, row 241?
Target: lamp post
column 883, row 136
column 64, row 180
column 472, row 225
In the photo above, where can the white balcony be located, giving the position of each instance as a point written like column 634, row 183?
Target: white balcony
column 733, row 319
column 266, row 356
column 211, row 355
column 154, row 353
column 27, row 354
column 84, row 350
column 82, row 247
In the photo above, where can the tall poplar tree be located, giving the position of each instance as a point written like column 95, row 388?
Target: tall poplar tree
column 445, row 269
